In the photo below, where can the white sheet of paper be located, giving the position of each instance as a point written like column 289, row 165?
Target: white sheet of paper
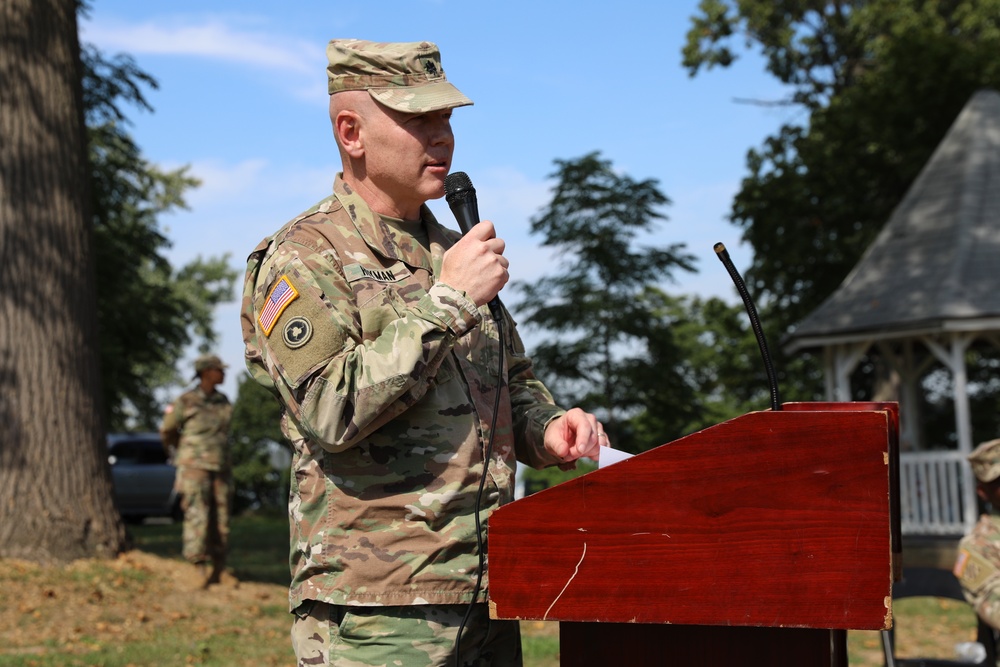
column 610, row 455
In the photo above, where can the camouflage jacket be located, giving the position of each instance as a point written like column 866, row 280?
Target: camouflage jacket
column 199, row 424
column 978, row 568
column 388, row 380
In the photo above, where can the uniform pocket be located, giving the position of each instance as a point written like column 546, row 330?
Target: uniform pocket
column 379, row 310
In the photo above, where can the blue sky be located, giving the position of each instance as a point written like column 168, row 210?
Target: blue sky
column 242, row 100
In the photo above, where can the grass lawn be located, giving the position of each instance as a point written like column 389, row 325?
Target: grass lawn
column 143, row 610
column 258, row 545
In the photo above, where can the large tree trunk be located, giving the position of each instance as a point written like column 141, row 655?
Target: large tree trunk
column 56, row 499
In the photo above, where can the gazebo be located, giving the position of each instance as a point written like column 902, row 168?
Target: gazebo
column 926, row 289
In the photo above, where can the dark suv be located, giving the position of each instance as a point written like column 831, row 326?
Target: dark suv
column 143, row 477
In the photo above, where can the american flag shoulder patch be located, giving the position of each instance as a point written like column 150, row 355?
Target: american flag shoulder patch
column 282, row 294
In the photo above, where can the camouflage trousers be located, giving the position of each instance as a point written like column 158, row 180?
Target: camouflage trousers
column 205, row 500
column 407, row 636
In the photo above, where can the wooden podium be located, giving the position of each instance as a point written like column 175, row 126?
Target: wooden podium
column 757, row 542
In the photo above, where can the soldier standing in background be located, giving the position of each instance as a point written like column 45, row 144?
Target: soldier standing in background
column 195, row 431
column 978, row 564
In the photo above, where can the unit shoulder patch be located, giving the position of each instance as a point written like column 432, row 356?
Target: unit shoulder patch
column 297, row 332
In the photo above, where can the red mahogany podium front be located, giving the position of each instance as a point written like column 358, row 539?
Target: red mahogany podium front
column 758, row 541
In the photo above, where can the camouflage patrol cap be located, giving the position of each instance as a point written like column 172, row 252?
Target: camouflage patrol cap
column 985, row 460
column 405, row 76
column 206, row 361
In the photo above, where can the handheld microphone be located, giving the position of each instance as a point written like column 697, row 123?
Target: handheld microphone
column 461, row 198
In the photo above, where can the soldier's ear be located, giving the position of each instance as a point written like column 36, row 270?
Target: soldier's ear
column 347, row 130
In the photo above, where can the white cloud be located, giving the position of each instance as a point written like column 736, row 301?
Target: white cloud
column 510, row 191
column 225, row 184
column 221, row 181
column 206, row 38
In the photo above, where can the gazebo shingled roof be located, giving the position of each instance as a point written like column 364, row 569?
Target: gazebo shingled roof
column 935, row 265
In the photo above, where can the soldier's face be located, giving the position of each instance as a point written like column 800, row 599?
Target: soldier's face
column 214, row 375
column 407, row 156
column 990, row 493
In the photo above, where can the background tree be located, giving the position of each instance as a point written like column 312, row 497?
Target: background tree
column 723, row 360
column 149, row 312
column 256, row 441
column 55, row 486
column 612, row 353
column 880, row 82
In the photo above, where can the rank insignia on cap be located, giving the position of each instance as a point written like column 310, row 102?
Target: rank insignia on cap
column 282, row 294
column 297, row 332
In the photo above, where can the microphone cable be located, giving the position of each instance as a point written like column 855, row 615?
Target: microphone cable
column 461, row 198
column 479, row 494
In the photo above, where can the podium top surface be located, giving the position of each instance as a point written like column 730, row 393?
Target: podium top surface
column 778, row 519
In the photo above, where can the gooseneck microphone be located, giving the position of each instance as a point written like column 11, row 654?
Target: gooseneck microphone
column 461, row 197
column 758, row 331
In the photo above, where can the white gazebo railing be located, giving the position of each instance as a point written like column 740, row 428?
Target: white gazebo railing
column 937, row 489
column 937, row 493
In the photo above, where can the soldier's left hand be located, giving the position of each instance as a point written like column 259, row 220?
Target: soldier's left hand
column 574, row 435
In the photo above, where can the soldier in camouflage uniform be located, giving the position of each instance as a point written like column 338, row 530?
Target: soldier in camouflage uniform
column 367, row 318
column 978, row 563
column 196, row 425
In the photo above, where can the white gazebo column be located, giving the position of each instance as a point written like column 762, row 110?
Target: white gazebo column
column 954, row 359
column 909, row 398
column 839, row 364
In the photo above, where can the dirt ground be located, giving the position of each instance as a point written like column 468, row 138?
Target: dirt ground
column 139, row 599
column 69, row 615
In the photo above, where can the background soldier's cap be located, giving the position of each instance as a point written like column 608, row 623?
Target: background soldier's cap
column 985, row 460
column 206, row 361
column 405, row 76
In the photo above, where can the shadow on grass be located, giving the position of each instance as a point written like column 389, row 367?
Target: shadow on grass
column 258, row 545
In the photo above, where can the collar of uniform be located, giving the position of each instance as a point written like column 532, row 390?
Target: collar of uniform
column 382, row 238
column 205, row 394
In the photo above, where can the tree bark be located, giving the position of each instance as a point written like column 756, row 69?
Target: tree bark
column 56, row 501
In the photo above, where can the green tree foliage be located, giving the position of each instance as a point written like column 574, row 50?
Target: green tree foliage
column 880, row 83
column 614, row 353
column 540, row 479
column 148, row 312
column 723, row 358
column 256, row 435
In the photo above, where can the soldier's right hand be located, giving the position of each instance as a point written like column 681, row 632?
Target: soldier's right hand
column 476, row 264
